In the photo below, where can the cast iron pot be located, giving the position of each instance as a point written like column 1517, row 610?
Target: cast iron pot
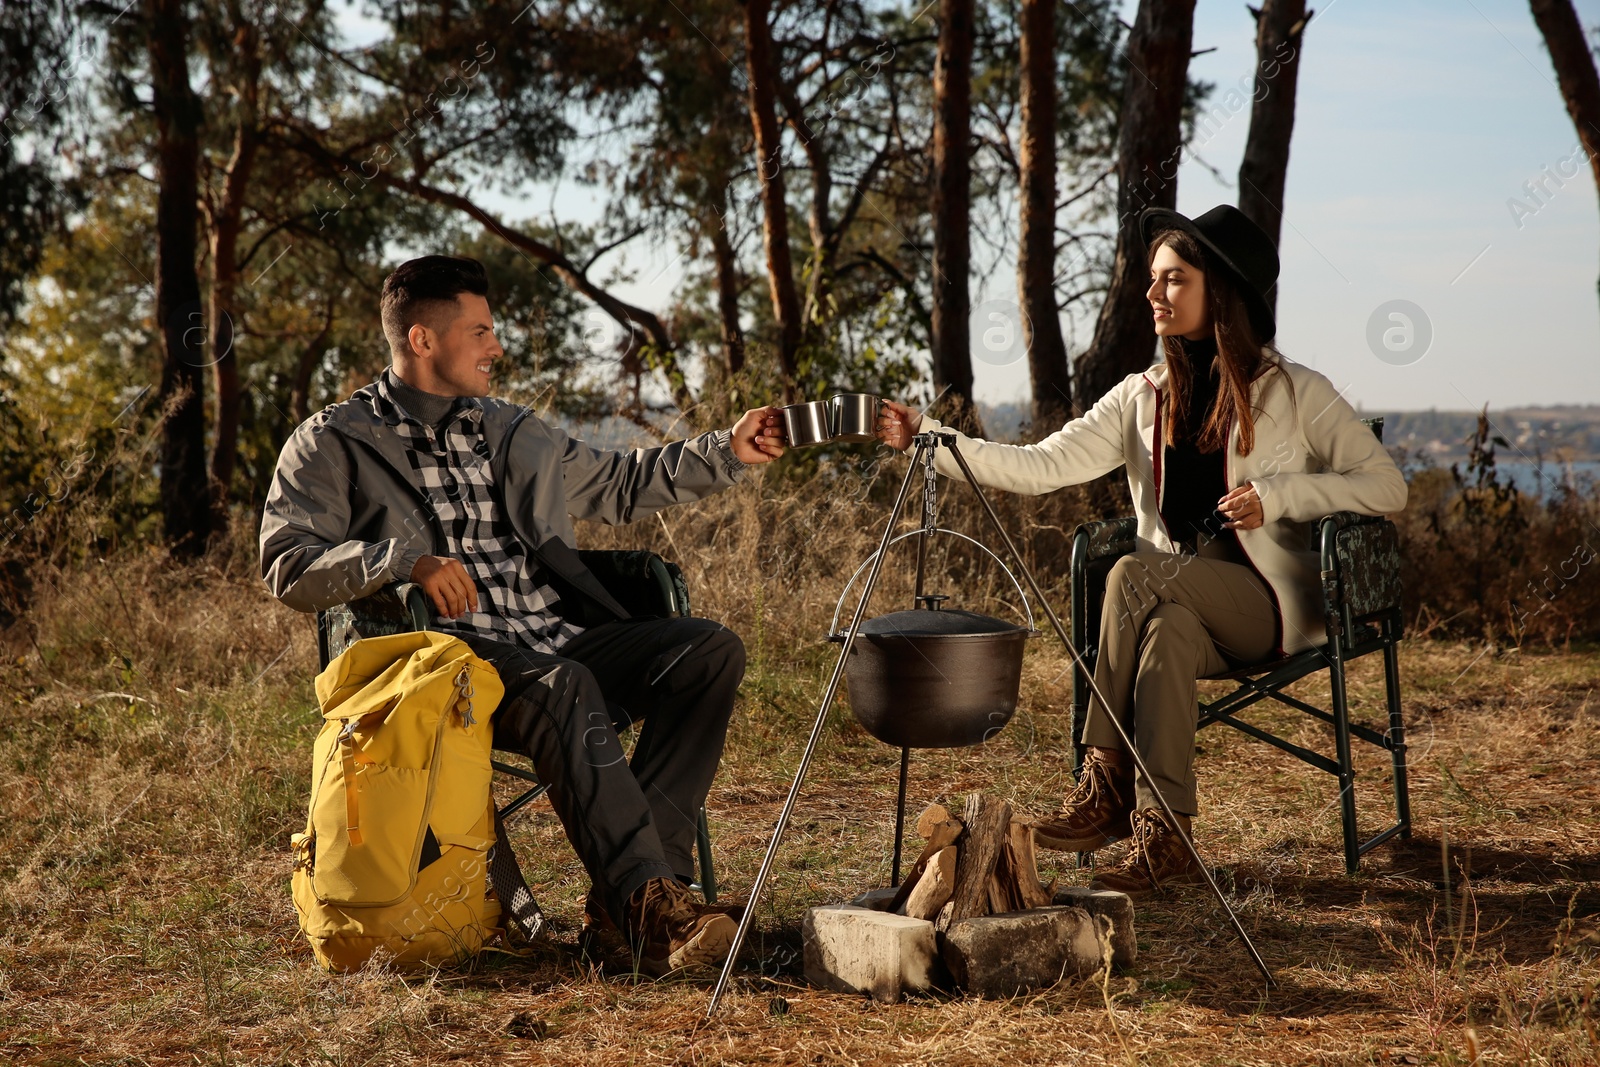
column 935, row 679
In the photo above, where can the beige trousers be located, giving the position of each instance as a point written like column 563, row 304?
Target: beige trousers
column 1168, row 620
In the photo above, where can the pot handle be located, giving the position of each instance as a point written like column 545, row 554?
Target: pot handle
column 833, row 627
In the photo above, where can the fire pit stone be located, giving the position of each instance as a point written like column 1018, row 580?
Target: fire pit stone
column 859, row 950
column 999, row 956
column 1117, row 907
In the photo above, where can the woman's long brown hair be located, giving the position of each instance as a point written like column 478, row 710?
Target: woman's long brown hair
column 1242, row 356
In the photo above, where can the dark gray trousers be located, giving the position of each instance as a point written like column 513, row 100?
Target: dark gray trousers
column 628, row 822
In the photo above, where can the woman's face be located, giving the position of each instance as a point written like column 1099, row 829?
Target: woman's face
column 1178, row 297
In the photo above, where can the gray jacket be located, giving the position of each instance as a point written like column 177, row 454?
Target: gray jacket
column 344, row 515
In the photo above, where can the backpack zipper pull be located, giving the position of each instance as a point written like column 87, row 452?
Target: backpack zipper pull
column 464, row 701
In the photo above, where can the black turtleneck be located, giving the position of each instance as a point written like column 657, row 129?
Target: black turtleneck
column 1193, row 481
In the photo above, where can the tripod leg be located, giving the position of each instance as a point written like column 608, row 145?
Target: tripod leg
column 1055, row 622
column 816, row 735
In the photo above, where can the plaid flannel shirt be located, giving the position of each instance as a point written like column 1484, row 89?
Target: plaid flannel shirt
column 515, row 602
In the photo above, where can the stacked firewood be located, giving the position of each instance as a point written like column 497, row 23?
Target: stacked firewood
column 978, row 863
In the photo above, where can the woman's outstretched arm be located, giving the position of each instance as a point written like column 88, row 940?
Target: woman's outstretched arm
column 1083, row 449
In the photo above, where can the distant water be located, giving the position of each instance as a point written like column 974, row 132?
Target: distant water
column 1542, row 480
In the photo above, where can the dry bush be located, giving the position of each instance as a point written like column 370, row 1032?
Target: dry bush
column 1483, row 558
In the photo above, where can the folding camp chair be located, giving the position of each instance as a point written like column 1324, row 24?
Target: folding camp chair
column 1361, row 600
column 642, row 582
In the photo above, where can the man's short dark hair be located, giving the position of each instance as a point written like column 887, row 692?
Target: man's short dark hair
column 420, row 289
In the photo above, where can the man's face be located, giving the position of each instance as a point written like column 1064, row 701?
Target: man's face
column 456, row 357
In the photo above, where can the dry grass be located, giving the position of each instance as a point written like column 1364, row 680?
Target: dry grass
column 157, row 727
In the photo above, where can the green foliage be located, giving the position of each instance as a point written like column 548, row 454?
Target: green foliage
column 363, row 155
column 40, row 58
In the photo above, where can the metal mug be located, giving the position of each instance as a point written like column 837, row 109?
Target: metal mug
column 853, row 416
column 806, row 424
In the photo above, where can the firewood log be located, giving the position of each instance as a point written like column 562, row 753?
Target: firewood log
column 987, row 828
column 941, row 835
column 931, row 816
column 934, row 887
column 1023, row 865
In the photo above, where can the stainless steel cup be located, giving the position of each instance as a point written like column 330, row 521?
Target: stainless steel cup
column 853, row 416
column 806, row 424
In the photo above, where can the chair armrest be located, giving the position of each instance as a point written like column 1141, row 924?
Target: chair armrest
column 1360, row 557
column 398, row 602
column 1110, row 538
column 640, row 580
column 397, row 608
column 1342, row 520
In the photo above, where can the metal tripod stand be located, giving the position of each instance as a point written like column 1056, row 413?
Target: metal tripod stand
column 926, row 443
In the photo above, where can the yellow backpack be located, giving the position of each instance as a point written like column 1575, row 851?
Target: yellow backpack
column 396, row 857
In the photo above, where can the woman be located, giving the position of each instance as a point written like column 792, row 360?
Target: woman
column 1230, row 450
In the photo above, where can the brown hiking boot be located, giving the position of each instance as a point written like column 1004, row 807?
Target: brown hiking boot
column 669, row 930
column 1157, row 858
column 602, row 942
column 1095, row 813
column 599, row 939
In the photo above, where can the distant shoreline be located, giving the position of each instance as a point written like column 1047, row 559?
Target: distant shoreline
column 1552, row 435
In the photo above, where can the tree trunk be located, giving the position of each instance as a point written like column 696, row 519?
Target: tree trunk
column 951, row 208
column 728, row 295
column 1149, row 149
column 225, row 277
column 762, row 73
column 1279, row 26
column 1575, row 71
column 818, row 220
column 305, row 366
column 185, row 495
column 1036, row 261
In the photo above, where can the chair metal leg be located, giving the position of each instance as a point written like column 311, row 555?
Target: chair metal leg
column 1080, row 717
column 1397, row 731
column 1347, row 777
column 900, row 813
column 702, row 847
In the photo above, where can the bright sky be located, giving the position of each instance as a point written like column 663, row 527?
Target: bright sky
column 1417, row 125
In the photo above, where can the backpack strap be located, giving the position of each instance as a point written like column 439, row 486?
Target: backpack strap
column 516, row 900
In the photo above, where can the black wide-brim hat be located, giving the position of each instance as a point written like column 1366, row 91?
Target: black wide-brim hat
column 1238, row 244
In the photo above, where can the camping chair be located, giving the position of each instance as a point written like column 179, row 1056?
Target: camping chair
column 642, row 582
column 1361, row 599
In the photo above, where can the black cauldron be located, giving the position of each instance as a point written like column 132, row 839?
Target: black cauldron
column 935, row 679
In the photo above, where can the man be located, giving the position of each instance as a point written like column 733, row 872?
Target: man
column 422, row 476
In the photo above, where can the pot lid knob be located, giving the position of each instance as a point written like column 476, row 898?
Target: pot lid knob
column 931, row 601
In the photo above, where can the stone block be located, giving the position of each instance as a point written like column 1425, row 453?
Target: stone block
column 877, row 899
column 858, row 950
column 1003, row 955
column 1117, row 907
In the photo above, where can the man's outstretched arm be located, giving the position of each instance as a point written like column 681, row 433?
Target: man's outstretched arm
column 619, row 487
